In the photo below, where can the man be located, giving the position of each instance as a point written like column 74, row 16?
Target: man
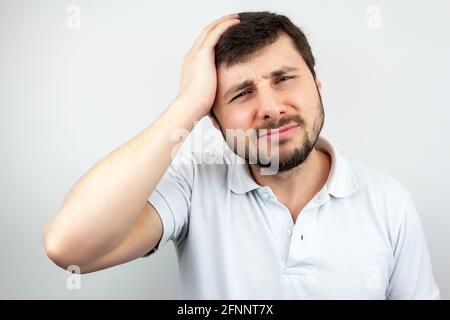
column 317, row 226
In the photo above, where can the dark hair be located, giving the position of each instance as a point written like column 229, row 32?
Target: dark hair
column 257, row 30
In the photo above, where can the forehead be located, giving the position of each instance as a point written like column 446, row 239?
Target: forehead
column 281, row 52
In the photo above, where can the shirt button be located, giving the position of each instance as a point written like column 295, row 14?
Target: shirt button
column 267, row 196
column 287, row 233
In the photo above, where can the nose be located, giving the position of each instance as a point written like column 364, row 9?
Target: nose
column 270, row 106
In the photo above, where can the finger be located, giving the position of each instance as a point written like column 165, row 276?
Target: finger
column 213, row 37
column 211, row 26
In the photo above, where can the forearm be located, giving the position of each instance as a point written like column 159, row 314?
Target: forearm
column 102, row 206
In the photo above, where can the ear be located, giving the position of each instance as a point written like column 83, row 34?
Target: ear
column 319, row 84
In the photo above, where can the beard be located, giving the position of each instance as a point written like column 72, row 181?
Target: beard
column 303, row 148
column 294, row 159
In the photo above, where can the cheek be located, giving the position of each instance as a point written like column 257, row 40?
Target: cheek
column 305, row 100
column 238, row 119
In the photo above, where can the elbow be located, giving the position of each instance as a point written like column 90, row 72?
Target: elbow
column 58, row 253
column 55, row 251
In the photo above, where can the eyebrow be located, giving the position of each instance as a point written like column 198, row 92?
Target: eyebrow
column 249, row 83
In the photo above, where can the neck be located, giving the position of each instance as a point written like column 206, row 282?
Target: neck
column 297, row 185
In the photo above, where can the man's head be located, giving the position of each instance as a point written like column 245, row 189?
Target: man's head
column 274, row 56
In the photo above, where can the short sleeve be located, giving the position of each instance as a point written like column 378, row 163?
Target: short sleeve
column 412, row 275
column 172, row 199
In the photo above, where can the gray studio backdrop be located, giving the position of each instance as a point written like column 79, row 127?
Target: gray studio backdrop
column 80, row 78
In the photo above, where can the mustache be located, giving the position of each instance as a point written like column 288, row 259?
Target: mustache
column 282, row 122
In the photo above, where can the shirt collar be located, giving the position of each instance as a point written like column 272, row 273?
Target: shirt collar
column 341, row 181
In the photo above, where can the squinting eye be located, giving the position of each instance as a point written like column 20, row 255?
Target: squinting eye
column 285, row 78
column 240, row 95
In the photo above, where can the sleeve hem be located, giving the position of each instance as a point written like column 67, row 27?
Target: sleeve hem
column 164, row 212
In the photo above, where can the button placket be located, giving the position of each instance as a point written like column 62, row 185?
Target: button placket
column 287, row 233
column 267, row 194
column 303, row 250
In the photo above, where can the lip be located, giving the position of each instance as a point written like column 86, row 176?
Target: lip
column 283, row 132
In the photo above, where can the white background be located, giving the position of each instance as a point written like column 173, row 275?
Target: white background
column 69, row 96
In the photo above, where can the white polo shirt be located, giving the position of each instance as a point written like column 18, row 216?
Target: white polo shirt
column 359, row 237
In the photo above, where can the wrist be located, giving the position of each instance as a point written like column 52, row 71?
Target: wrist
column 188, row 108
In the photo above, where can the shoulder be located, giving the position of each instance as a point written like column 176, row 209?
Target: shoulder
column 203, row 165
column 383, row 194
column 374, row 181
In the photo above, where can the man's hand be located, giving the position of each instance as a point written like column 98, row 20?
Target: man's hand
column 199, row 76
